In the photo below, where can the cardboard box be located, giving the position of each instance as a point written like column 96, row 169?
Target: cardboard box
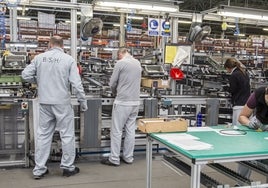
column 155, row 125
column 157, row 83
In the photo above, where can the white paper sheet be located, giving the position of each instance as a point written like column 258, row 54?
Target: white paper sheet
column 200, row 129
column 192, row 145
column 177, row 136
column 186, row 141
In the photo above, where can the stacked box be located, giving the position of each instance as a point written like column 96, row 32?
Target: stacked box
column 157, row 83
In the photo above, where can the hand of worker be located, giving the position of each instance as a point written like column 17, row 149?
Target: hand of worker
column 254, row 123
column 264, row 127
column 83, row 106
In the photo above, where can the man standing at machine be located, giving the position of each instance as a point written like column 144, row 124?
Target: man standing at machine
column 54, row 72
column 125, row 85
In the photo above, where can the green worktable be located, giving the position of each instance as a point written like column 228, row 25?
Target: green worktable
column 252, row 142
column 253, row 145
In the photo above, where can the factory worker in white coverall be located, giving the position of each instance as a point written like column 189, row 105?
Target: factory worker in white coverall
column 125, row 85
column 54, row 72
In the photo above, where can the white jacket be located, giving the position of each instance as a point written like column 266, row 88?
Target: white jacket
column 54, row 72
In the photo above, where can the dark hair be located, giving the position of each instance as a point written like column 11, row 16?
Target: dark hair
column 232, row 63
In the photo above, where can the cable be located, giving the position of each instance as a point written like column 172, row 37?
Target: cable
column 233, row 132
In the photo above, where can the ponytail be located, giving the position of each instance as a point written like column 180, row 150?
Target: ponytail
column 232, row 63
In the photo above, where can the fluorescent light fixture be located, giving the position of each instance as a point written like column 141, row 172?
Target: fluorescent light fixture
column 240, row 35
column 136, row 5
column 78, row 48
column 69, row 21
column 184, row 21
column 242, row 12
column 231, row 26
column 23, row 18
column 23, row 45
column 110, row 49
column 118, row 25
column 22, row 8
column 16, row 1
column 135, row 17
column 265, row 29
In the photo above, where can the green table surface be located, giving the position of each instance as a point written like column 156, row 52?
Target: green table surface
column 252, row 144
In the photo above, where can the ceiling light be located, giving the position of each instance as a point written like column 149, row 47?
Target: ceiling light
column 23, row 18
column 184, row 21
column 22, row 8
column 240, row 35
column 265, row 29
column 231, row 26
column 78, row 48
column 242, row 12
column 29, row 45
column 118, row 25
column 139, row 6
column 135, row 17
column 110, row 49
column 69, row 21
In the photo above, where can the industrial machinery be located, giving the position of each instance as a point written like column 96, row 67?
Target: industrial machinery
column 200, row 91
column 13, row 126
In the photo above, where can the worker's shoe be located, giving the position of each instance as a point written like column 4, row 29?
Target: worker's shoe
column 122, row 159
column 68, row 173
column 108, row 162
column 38, row 177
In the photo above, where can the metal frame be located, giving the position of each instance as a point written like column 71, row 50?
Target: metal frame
column 12, row 135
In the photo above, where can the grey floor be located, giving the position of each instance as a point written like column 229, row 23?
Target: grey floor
column 95, row 175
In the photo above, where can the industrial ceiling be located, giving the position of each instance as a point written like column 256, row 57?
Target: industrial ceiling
column 186, row 7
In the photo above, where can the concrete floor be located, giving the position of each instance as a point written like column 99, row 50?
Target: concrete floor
column 95, row 175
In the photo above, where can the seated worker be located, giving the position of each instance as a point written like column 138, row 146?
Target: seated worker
column 255, row 112
column 255, row 115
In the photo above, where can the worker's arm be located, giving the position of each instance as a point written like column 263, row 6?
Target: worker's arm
column 29, row 73
column 245, row 115
column 76, row 82
column 114, row 79
column 246, row 119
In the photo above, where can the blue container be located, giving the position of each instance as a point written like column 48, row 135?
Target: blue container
column 199, row 119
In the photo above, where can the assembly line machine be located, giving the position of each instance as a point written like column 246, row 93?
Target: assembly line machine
column 200, row 90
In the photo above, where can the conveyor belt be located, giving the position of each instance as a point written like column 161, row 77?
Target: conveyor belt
column 230, row 173
column 260, row 169
column 205, row 179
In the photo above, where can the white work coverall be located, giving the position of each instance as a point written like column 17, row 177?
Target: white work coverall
column 54, row 72
column 125, row 84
